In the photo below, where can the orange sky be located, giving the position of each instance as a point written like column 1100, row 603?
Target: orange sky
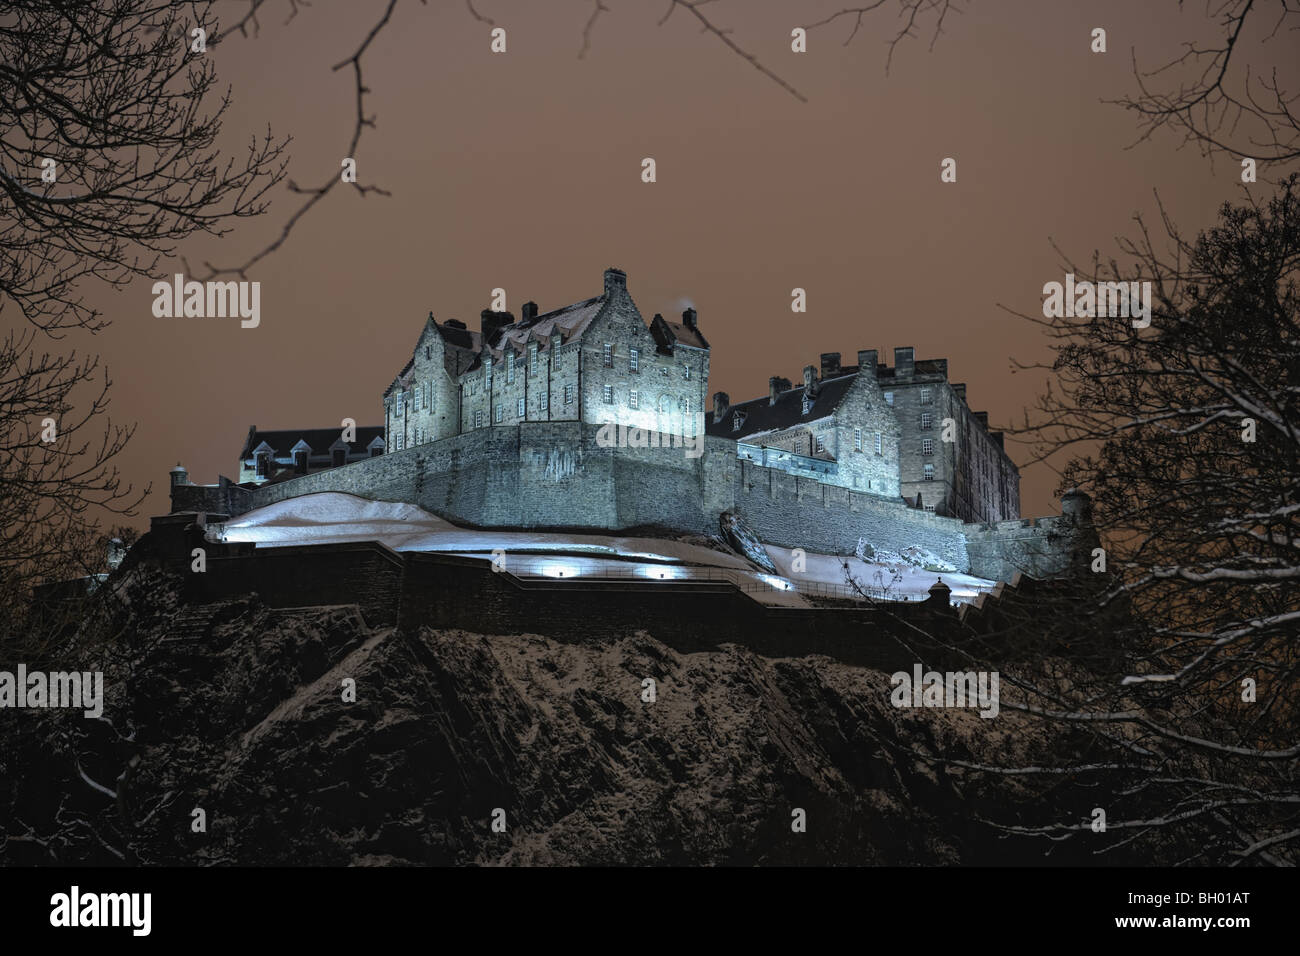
column 522, row 171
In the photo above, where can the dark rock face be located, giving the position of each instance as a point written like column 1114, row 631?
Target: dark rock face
column 740, row 537
column 239, row 710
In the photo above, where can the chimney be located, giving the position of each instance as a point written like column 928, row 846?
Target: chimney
column 179, row 475
column 903, row 362
column 810, row 379
column 689, row 318
column 773, row 389
column 615, row 281
column 454, row 324
column 830, row 364
column 983, row 419
column 529, row 312
column 867, row 361
column 493, row 323
column 721, row 402
column 960, row 389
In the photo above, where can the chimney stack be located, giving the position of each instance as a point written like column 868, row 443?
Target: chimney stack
column 493, row 323
column 721, row 402
column 529, row 311
column 810, row 379
column 773, row 389
column 830, row 364
column 903, row 362
column 867, row 361
column 615, row 281
column 960, row 389
column 689, row 318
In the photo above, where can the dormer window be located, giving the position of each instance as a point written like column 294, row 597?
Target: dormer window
column 263, row 464
column 737, row 420
column 807, row 404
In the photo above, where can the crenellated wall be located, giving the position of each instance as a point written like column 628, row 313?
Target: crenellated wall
column 560, row 475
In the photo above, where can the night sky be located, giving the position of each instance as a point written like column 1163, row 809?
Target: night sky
column 522, row 170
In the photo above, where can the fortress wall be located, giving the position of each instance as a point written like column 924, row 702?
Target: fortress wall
column 801, row 513
column 1037, row 547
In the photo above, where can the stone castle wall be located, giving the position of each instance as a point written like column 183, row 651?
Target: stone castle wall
column 557, row 475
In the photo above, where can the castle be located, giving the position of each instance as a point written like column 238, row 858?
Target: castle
column 588, row 417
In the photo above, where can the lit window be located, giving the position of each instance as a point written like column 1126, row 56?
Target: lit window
column 821, row 448
column 633, row 356
column 925, row 396
column 419, row 395
column 543, row 403
column 609, row 394
column 478, row 418
column 532, row 359
column 686, row 372
column 927, row 446
column 929, row 472
column 807, row 404
column 880, row 444
column 857, row 439
column 399, row 404
column 926, row 421
column 609, row 355
column 889, row 398
column 633, row 399
column 520, row 411
column 568, row 395
column 510, row 368
column 497, row 418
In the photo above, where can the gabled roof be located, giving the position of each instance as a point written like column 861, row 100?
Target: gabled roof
column 761, row 416
column 320, row 439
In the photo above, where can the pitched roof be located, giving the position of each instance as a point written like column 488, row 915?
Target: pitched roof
column 320, row 439
column 762, row 416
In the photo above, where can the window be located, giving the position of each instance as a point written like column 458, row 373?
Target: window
column 340, row 457
column 926, row 421
column 857, row 439
column 929, row 472
column 478, row 418
column 889, row 398
column 428, row 351
column 520, row 409
column 686, row 372
column 633, row 399
column 608, row 392
column 419, row 396
column 609, row 355
column 543, row 403
column 807, row 404
column 633, row 357
column 263, row 464
column 925, row 396
column 568, row 395
column 927, row 446
column 532, row 358
column 497, row 417
column 880, row 444
column 398, row 405
column 736, row 421
column 300, row 462
column 821, row 448
column 375, row 451
column 510, row 368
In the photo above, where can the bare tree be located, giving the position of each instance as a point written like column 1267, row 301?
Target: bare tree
column 108, row 124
